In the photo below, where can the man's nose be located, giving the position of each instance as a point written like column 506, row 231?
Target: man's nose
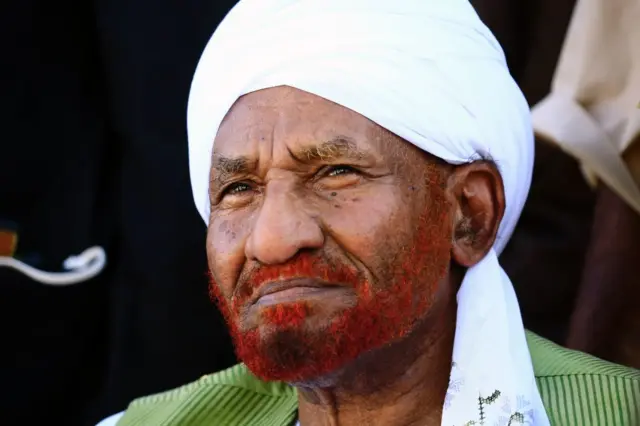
column 282, row 227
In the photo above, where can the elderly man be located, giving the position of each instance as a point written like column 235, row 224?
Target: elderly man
column 360, row 164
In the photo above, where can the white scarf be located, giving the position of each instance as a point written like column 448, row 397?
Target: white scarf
column 430, row 72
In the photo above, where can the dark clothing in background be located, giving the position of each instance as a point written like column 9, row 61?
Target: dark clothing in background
column 55, row 189
column 164, row 330
column 94, row 153
column 531, row 33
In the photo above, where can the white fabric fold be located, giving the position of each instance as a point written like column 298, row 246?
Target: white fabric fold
column 78, row 269
column 559, row 118
column 593, row 110
column 431, row 72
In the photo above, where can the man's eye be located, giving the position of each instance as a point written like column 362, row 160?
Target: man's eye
column 236, row 188
column 340, row 170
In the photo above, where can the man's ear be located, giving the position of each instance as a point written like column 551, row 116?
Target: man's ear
column 476, row 192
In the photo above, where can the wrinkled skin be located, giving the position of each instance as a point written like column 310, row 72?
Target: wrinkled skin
column 335, row 251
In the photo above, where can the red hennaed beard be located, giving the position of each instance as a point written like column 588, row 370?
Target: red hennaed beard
column 386, row 312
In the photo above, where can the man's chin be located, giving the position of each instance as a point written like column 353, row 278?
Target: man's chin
column 311, row 352
column 291, row 355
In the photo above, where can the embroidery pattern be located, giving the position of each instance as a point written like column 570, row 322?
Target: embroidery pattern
column 504, row 413
column 455, row 384
column 522, row 414
column 486, row 401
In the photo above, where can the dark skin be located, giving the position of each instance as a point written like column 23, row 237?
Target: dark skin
column 293, row 172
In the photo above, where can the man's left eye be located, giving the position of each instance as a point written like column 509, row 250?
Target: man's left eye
column 340, row 170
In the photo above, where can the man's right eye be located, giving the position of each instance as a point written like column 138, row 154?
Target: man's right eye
column 236, row 188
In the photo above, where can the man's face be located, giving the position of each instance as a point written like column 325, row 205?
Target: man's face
column 328, row 235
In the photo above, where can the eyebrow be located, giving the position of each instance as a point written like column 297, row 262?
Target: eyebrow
column 331, row 150
column 339, row 147
column 226, row 167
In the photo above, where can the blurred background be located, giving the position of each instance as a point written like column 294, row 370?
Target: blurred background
column 93, row 154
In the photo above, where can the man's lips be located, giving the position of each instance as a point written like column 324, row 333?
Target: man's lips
column 292, row 290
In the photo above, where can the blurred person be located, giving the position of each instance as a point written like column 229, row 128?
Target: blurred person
column 593, row 114
column 354, row 226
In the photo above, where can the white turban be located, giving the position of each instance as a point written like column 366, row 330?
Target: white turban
column 430, row 72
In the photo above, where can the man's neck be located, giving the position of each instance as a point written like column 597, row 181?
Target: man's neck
column 400, row 385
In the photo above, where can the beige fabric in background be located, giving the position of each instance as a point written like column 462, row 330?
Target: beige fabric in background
column 593, row 110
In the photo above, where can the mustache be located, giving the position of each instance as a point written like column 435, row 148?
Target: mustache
column 303, row 265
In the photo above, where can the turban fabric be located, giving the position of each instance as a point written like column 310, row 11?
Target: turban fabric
column 432, row 73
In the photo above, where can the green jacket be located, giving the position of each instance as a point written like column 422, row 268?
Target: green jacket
column 577, row 390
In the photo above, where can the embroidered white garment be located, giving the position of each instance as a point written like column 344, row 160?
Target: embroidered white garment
column 432, row 73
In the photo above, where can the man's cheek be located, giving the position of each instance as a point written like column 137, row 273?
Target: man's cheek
column 226, row 237
column 227, row 261
column 216, row 296
column 365, row 221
